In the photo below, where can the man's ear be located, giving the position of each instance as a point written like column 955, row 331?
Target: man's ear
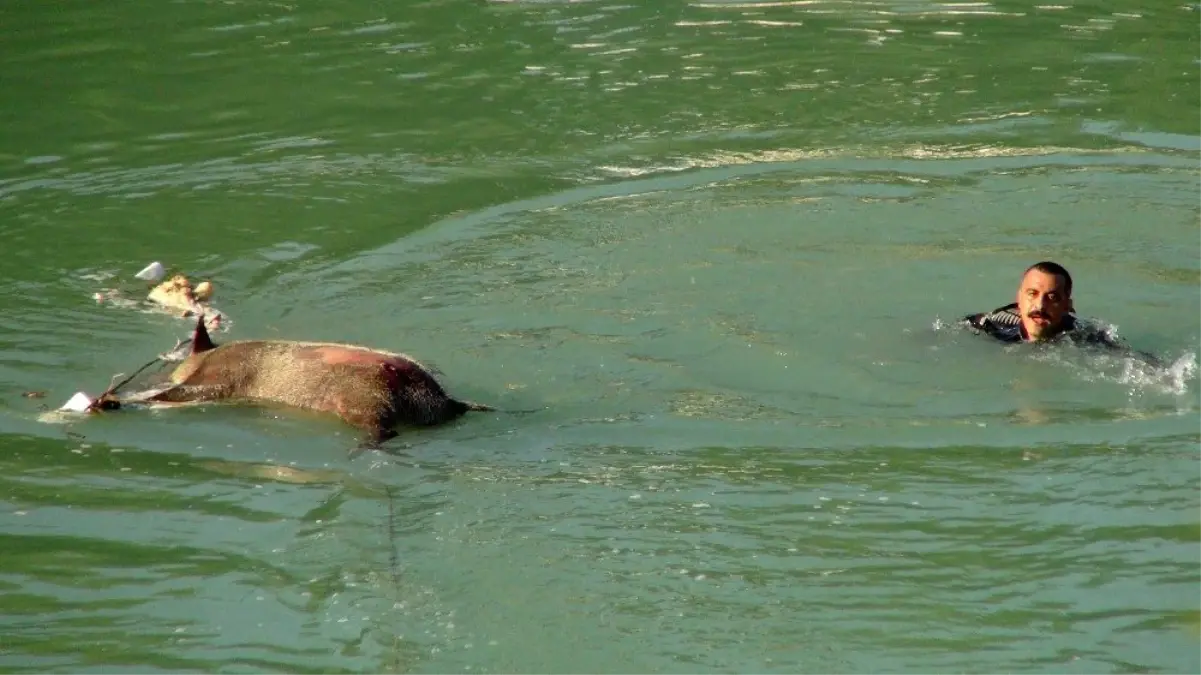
column 1071, row 306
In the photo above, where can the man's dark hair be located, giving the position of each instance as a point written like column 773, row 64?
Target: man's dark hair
column 1048, row 267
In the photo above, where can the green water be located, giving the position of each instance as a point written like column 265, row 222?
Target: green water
column 717, row 246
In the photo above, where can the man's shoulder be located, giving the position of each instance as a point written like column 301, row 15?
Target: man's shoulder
column 1007, row 315
column 1003, row 323
column 1083, row 331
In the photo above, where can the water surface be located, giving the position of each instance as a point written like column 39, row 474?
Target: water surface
column 718, row 247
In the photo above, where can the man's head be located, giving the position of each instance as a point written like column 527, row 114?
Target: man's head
column 1044, row 300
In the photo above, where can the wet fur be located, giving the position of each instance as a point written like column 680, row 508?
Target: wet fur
column 373, row 390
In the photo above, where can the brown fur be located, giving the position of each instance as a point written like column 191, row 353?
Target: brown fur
column 370, row 389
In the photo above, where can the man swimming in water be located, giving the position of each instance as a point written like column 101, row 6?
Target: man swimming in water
column 1043, row 312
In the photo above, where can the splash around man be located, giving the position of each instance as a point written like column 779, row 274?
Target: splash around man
column 1043, row 312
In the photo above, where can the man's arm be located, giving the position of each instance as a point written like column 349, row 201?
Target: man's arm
column 975, row 321
column 1101, row 338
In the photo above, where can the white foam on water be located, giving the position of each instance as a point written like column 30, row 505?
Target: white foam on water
column 1140, row 375
column 1163, row 375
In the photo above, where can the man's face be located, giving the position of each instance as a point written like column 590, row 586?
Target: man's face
column 1043, row 304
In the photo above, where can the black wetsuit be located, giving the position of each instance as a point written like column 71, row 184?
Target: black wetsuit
column 1005, row 324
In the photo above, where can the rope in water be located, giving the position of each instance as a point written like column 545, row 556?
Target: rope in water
column 103, row 399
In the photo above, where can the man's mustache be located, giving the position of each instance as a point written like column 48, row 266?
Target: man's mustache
column 1037, row 314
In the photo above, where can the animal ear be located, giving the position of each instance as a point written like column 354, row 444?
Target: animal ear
column 201, row 342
